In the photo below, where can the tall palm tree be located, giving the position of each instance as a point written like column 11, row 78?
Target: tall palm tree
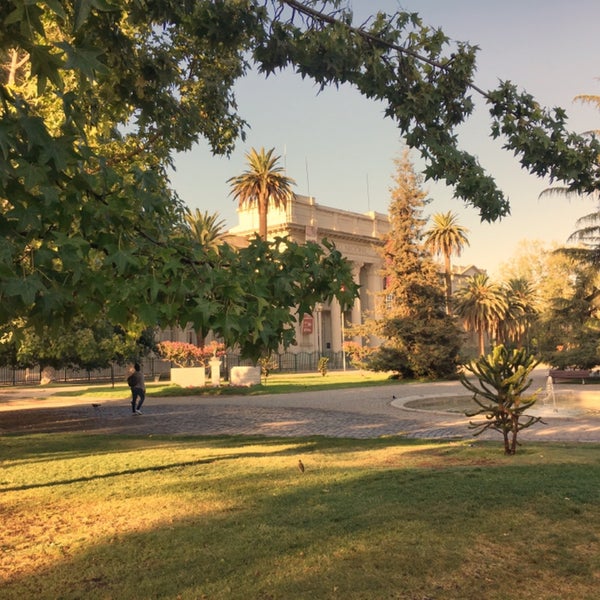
column 521, row 309
column 264, row 183
column 446, row 237
column 482, row 305
column 587, row 236
column 206, row 229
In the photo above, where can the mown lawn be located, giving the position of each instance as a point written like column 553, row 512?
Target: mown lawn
column 277, row 383
column 114, row 517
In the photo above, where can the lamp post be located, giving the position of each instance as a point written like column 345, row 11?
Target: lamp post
column 343, row 339
column 318, row 309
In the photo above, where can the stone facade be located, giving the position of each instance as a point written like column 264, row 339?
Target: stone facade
column 356, row 235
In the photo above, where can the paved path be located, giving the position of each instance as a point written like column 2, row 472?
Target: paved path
column 354, row 413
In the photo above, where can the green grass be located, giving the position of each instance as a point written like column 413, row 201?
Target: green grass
column 276, row 384
column 115, row 517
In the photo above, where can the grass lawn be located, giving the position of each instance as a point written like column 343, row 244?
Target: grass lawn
column 116, row 517
column 278, row 383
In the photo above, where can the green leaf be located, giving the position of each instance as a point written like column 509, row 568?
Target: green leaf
column 82, row 12
column 45, row 65
column 84, row 60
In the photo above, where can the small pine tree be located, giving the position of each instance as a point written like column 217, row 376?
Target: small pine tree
column 420, row 339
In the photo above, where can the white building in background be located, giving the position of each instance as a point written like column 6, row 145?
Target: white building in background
column 357, row 236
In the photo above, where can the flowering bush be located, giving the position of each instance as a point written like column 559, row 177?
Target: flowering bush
column 182, row 354
column 214, row 348
column 188, row 355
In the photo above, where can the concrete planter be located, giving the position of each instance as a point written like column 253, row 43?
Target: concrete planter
column 244, row 376
column 189, row 376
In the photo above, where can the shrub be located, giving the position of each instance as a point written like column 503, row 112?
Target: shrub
column 323, row 365
column 188, row 355
column 504, row 376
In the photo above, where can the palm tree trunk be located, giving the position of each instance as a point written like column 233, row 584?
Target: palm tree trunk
column 448, row 273
column 263, row 208
column 481, row 333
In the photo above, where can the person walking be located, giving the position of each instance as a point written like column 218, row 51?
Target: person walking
column 138, row 389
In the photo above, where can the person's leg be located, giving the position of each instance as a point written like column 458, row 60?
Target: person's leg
column 142, row 396
column 133, row 398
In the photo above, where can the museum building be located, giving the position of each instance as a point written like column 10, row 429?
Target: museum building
column 358, row 236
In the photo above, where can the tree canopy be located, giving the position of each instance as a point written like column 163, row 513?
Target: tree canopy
column 418, row 338
column 97, row 95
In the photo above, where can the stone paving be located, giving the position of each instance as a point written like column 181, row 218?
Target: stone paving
column 354, row 413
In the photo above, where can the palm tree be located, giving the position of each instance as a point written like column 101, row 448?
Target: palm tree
column 209, row 231
column 594, row 100
column 206, row 229
column 587, row 236
column 262, row 184
column 446, row 237
column 482, row 305
column 521, row 309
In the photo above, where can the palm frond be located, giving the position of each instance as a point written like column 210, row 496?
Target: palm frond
column 592, row 99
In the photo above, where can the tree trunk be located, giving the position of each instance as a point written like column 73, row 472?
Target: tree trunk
column 263, row 209
column 448, row 274
column 481, row 333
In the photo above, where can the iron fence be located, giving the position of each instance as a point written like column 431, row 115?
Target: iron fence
column 153, row 368
column 156, row 369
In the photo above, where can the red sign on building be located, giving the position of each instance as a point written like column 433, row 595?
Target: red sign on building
column 307, row 324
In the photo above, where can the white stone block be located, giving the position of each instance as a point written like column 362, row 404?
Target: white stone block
column 245, row 376
column 189, row 376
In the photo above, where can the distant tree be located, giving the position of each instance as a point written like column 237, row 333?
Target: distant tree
column 83, row 345
column 209, row 231
column 419, row 338
column 206, row 229
column 522, row 308
column 446, row 237
column 594, row 100
column 569, row 331
column 482, row 305
column 263, row 184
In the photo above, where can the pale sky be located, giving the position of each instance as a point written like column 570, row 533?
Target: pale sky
column 340, row 149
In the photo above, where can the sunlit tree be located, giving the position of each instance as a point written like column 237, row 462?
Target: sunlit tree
column 419, row 338
column 206, row 229
column 98, row 97
column 446, row 237
column 521, row 311
column 482, row 305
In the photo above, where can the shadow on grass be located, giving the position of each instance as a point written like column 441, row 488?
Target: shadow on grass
column 343, row 531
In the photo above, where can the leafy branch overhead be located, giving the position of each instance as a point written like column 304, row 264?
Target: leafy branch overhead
column 96, row 96
column 426, row 81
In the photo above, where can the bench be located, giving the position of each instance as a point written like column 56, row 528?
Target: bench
column 569, row 375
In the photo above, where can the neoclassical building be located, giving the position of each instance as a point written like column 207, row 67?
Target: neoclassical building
column 356, row 235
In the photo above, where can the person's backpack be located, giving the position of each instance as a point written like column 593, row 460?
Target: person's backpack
column 131, row 380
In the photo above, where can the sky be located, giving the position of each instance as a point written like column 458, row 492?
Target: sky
column 340, row 149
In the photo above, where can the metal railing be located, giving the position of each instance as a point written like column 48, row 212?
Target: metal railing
column 156, row 369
